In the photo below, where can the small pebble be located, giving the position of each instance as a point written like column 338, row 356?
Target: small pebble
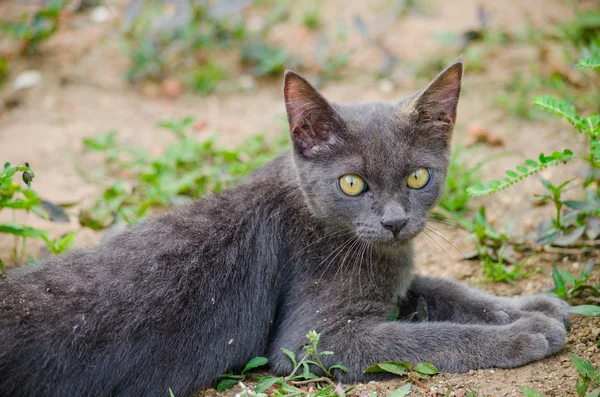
column 100, row 14
column 27, row 79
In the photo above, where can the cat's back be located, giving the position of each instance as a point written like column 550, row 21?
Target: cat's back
column 180, row 279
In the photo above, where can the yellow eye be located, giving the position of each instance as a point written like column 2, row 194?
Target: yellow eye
column 352, row 185
column 418, row 179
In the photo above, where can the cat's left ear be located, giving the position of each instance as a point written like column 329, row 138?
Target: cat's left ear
column 436, row 105
column 315, row 125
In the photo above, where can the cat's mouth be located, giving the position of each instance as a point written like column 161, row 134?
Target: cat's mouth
column 384, row 238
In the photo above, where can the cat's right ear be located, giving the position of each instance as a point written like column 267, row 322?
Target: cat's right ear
column 314, row 123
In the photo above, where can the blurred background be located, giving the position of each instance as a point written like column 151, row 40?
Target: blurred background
column 114, row 110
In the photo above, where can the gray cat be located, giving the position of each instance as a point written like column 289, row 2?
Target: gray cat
column 319, row 239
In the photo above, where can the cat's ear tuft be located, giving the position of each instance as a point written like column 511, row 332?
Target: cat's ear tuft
column 314, row 124
column 437, row 103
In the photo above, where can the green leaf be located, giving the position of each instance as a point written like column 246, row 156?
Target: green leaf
column 340, row 367
column 593, row 393
column 591, row 60
column 570, row 238
column 324, row 392
column 566, row 276
column 401, row 392
column 532, row 163
column 265, row 383
column 585, row 310
column 306, row 372
column 581, row 205
column 513, row 177
column 393, row 367
column 587, row 269
column 529, row 392
column 522, row 169
column 226, row 384
column 20, row 230
column 290, row 354
column 547, row 184
column 426, row 368
column 62, row 244
column 585, row 369
column 255, row 363
column 562, row 109
column 559, row 282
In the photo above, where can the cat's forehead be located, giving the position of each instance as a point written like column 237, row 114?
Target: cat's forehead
column 372, row 118
column 383, row 142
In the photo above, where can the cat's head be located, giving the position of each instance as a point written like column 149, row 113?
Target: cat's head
column 373, row 168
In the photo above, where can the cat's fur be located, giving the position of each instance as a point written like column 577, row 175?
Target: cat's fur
column 180, row 299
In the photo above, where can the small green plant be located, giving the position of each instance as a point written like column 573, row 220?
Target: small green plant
column 302, row 372
column 205, row 78
column 15, row 197
column 311, row 18
column 565, row 229
column 404, row 368
column 588, row 383
column 266, row 59
column 530, row 167
column 583, row 30
column 591, row 58
column 556, row 197
column 186, row 170
column 32, row 30
column 517, row 97
column 487, row 239
column 529, row 392
column 577, row 288
column 3, row 70
column 229, row 380
column 499, row 271
column 455, row 199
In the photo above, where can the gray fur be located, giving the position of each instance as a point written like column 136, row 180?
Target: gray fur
column 178, row 300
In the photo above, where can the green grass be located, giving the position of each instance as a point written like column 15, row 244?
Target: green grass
column 461, row 175
column 19, row 197
column 188, row 168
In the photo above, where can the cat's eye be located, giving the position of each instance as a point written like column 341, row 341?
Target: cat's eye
column 419, row 178
column 352, row 185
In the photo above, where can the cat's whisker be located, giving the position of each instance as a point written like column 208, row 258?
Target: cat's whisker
column 337, row 252
column 370, row 268
column 441, row 222
column 440, row 235
column 451, row 221
column 337, row 233
column 360, row 265
column 342, row 265
column 421, row 246
column 438, row 244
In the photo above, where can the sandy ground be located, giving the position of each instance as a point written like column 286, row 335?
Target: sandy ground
column 82, row 93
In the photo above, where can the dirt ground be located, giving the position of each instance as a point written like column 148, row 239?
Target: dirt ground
column 83, row 93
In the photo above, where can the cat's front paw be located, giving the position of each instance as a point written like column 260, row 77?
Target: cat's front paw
column 530, row 339
column 546, row 305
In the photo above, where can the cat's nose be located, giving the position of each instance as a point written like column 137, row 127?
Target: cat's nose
column 394, row 225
